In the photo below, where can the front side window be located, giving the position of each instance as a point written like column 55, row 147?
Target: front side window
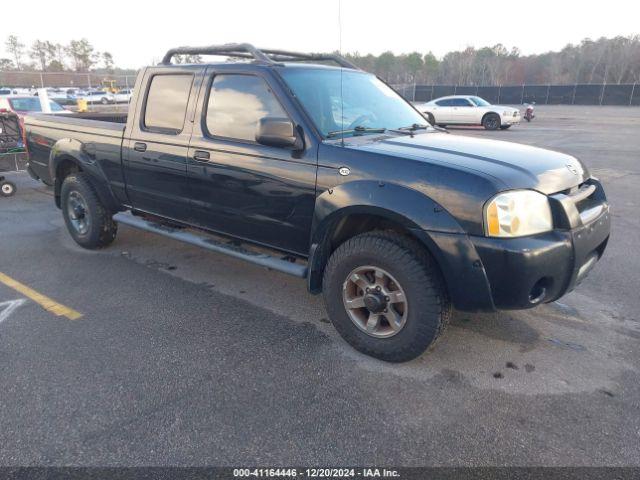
column 236, row 105
column 348, row 102
column 167, row 101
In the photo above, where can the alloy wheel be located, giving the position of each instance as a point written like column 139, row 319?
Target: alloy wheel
column 375, row 301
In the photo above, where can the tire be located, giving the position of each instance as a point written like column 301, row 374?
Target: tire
column 505, row 127
column 491, row 121
column 7, row 188
column 431, row 119
column 92, row 226
column 414, row 274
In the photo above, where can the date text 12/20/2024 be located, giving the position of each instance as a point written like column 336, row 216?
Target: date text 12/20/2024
column 315, row 472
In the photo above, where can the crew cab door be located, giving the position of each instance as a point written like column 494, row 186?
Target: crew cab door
column 238, row 186
column 155, row 153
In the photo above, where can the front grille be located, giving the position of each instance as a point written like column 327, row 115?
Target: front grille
column 587, row 200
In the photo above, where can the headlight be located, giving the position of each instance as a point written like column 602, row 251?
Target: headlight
column 517, row 213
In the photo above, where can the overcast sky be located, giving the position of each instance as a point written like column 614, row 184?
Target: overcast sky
column 137, row 33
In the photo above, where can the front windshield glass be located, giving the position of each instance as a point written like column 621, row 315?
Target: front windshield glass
column 367, row 102
column 480, row 102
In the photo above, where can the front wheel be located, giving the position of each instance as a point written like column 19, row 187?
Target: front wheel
column 7, row 188
column 491, row 121
column 89, row 222
column 385, row 296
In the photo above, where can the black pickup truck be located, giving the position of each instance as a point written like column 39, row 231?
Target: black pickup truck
column 340, row 180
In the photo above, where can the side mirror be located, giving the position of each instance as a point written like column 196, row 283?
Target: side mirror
column 277, row 132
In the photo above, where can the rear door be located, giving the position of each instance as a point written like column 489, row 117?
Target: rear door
column 444, row 112
column 242, row 188
column 155, row 154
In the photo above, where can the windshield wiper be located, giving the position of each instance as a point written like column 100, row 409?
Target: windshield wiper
column 410, row 130
column 356, row 131
column 414, row 127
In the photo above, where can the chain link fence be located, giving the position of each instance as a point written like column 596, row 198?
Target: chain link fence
column 579, row 94
column 20, row 79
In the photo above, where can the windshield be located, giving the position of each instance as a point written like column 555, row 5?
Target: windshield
column 367, row 102
column 480, row 102
column 32, row 104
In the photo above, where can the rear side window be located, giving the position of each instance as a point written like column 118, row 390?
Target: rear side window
column 444, row 103
column 237, row 103
column 166, row 104
column 460, row 102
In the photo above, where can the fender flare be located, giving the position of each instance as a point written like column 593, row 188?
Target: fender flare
column 423, row 218
column 84, row 156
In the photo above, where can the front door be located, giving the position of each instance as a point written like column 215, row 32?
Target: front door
column 242, row 188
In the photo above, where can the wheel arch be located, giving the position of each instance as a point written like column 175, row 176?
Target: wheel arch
column 68, row 156
column 382, row 206
column 486, row 114
column 362, row 206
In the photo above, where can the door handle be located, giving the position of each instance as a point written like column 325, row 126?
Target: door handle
column 201, row 155
column 140, row 147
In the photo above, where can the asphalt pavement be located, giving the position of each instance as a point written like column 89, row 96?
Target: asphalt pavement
column 186, row 357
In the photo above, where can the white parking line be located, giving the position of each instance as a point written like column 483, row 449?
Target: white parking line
column 8, row 307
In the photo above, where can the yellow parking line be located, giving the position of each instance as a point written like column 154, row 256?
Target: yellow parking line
column 45, row 302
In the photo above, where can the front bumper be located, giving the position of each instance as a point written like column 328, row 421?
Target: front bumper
column 524, row 272
column 485, row 273
column 510, row 119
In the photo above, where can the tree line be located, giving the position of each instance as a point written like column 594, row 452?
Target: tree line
column 605, row 60
column 46, row 56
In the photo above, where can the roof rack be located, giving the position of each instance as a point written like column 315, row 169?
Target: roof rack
column 264, row 57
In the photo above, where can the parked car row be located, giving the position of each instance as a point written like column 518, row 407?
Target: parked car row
column 69, row 96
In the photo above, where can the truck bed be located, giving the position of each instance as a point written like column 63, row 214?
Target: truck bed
column 112, row 117
column 103, row 131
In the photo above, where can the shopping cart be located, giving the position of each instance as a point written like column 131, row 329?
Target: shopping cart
column 13, row 156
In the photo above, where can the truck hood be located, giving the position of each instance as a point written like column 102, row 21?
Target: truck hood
column 512, row 164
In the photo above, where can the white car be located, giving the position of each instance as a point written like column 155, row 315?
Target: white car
column 468, row 110
column 97, row 96
column 122, row 96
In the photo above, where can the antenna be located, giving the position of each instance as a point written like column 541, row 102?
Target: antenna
column 341, row 69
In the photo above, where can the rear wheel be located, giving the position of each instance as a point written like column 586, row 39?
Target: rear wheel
column 7, row 188
column 491, row 121
column 431, row 119
column 385, row 296
column 89, row 222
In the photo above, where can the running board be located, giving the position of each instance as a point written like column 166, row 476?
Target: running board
column 214, row 245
